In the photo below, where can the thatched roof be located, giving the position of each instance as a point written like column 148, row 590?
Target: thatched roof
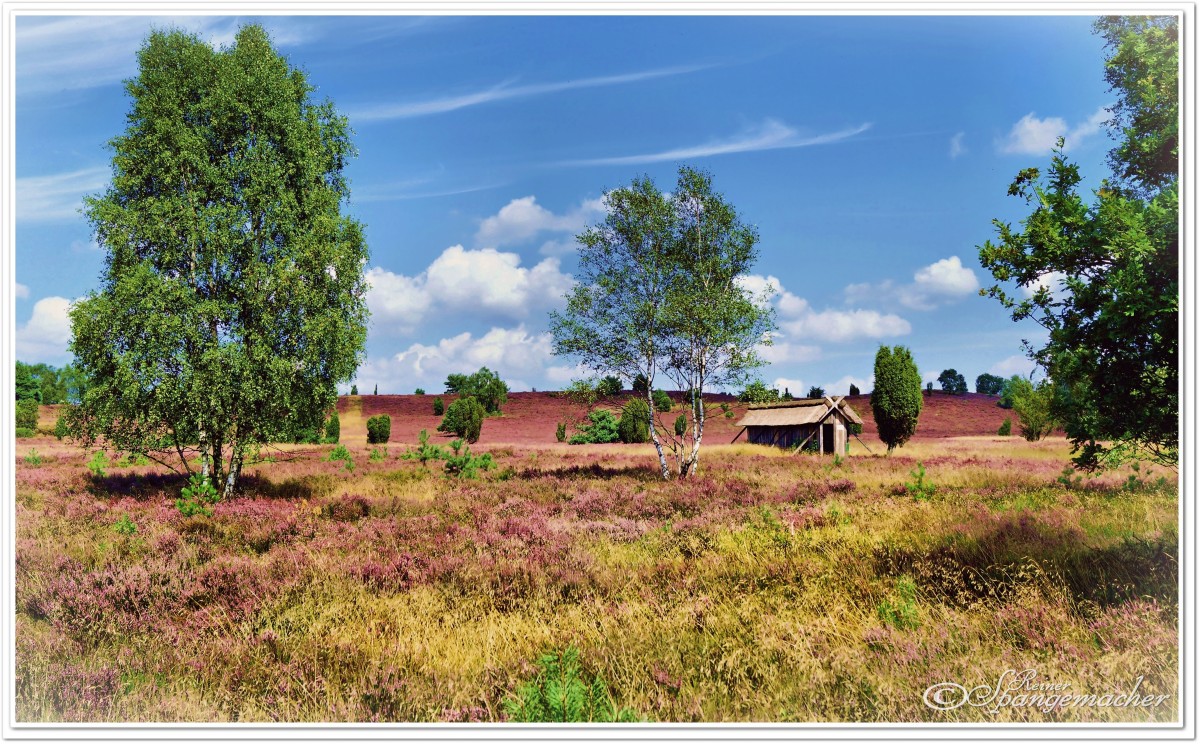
column 796, row 412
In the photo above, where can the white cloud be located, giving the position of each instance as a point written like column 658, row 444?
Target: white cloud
column 558, row 248
column 45, row 336
column 794, row 386
column 461, row 281
column 77, row 52
column 1017, row 364
column 956, row 145
column 1034, row 136
column 1052, row 280
column 783, row 352
column 503, row 91
column 800, row 323
column 770, row 135
column 523, row 218
column 58, row 196
column 515, row 353
column 20, row 291
column 937, row 284
column 842, row 385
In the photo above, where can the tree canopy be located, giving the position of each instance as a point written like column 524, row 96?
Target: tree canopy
column 659, row 292
column 232, row 300
column 484, row 384
column 1103, row 276
column 896, row 400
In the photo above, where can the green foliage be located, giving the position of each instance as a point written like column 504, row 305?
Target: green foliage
column 562, row 693
column 816, row 392
column 378, row 454
column 662, row 401
column 787, row 395
column 341, row 453
column 462, row 464
column 584, row 393
column 125, row 527
column 379, row 429
column 896, row 400
column 484, row 385
column 609, row 386
column 758, row 392
column 854, row 427
column 1033, row 406
column 952, row 382
column 640, row 384
column 920, row 488
column 197, row 497
column 680, row 425
column 424, row 451
column 560, row 431
column 27, row 384
column 658, row 290
column 61, row 427
column 600, row 429
column 232, row 300
column 23, row 433
column 354, row 389
column 464, row 418
column 33, row 458
column 1005, row 428
column 988, row 384
column 419, row 391
column 27, row 413
column 376, row 389
column 1105, row 274
column 928, row 388
column 900, row 609
column 634, row 426
column 854, row 389
column 333, row 429
column 439, row 406
column 98, row 463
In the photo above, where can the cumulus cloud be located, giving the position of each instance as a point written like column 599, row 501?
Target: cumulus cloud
column 45, row 336
column 937, row 284
column 1017, row 364
column 794, row 386
column 956, row 145
column 516, row 353
column 20, row 291
column 467, row 282
column 1034, row 136
column 522, row 219
column 801, row 324
column 1052, row 280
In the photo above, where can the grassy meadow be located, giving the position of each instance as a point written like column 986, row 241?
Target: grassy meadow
column 770, row 588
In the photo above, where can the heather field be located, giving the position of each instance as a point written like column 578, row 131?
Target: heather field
column 773, row 587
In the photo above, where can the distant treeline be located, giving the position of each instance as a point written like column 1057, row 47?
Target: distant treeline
column 48, row 385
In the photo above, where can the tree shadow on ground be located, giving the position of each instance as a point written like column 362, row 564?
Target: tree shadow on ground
column 597, row 471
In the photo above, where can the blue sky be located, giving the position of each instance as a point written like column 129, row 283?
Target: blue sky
column 872, row 154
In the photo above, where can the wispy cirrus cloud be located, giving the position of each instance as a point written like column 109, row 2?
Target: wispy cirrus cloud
column 503, row 91
column 58, row 196
column 772, row 134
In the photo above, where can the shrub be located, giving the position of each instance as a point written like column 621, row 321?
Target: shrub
column 424, row 451
column 61, row 428
column 929, row 388
column 921, row 489
column 900, row 609
column 601, row 429
column 854, row 389
column 484, row 385
column 561, row 693
column 952, row 382
column 988, row 384
column 197, row 497
column 125, row 526
column 23, row 433
column 98, row 463
column 376, row 389
column 379, row 429
column 758, row 392
column 634, row 426
column 27, row 414
column 896, row 399
column 787, row 395
column 333, row 429
column 816, row 391
column 419, row 391
column 464, row 419
column 609, row 386
column 1033, row 408
column 439, row 407
column 378, row 454
column 640, row 384
column 1009, row 387
column 662, row 401
column 33, row 458
column 341, row 453
column 462, row 464
column 354, row 389
column 560, row 431
column 680, row 425
column 1005, row 428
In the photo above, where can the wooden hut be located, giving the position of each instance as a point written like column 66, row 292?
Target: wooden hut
column 821, row 424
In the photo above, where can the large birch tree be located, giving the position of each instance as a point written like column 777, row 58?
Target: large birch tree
column 232, row 300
